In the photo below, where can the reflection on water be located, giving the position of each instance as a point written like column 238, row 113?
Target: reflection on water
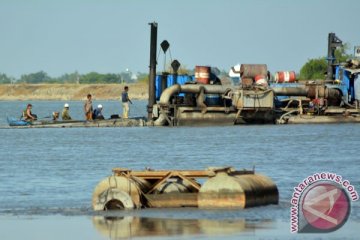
column 131, row 226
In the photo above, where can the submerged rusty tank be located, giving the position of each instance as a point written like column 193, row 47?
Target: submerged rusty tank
column 223, row 187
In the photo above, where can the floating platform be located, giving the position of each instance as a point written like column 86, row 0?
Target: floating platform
column 320, row 119
column 141, row 122
column 223, row 188
column 120, row 122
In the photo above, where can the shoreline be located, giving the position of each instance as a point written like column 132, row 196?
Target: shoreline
column 70, row 92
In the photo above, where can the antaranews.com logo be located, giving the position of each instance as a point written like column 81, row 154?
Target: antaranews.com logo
column 321, row 203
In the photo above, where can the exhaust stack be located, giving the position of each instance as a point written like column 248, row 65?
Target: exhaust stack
column 152, row 71
column 333, row 43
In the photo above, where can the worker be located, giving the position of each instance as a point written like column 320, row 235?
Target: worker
column 55, row 116
column 88, row 109
column 97, row 114
column 28, row 115
column 125, row 102
column 65, row 115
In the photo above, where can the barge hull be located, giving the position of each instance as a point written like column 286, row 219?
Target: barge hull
column 96, row 123
column 304, row 119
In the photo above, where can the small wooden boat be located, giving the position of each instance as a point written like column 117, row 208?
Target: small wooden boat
column 120, row 122
column 16, row 122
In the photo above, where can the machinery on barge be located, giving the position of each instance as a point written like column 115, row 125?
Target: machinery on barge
column 207, row 99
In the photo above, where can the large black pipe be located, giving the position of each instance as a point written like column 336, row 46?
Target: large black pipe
column 187, row 88
column 152, row 71
column 330, row 57
column 291, row 91
column 309, row 91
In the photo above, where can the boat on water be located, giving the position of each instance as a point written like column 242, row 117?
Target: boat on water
column 118, row 122
column 14, row 122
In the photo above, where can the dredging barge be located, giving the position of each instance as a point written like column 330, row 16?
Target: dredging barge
column 257, row 98
column 223, row 188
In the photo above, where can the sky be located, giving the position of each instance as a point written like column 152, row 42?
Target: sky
column 109, row 36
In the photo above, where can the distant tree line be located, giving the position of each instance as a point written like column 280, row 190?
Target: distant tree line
column 313, row 69
column 4, row 79
column 75, row 77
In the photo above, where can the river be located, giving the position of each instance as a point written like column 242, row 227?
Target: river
column 51, row 173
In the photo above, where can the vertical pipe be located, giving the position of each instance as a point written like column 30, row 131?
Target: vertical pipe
column 330, row 56
column 152, row 71
column 164, row 78
column 175, row 78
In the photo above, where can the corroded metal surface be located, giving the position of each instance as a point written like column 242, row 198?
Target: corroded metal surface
column 314, row 119
column 253, row 99
column 225, row 187
column 251, row 70
column 241, row 191
column 172, row 200
column 159, row 174
column 131, row 186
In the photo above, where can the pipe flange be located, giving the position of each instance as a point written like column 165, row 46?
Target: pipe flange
column 114, row 199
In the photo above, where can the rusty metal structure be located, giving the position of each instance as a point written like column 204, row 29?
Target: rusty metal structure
column 208, row 100
column 223, row 188
column 247, row 103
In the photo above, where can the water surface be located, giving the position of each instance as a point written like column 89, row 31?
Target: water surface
column 54, row 171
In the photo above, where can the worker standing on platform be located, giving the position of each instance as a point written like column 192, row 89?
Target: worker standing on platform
column 125, row 102
column 88, row 109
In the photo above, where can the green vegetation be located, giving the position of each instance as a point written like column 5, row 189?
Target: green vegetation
column 68, row 78
column 39, row 77
column 88, row 78
column 5, row 79
column 316, row 68
column 75, row 77
column 95, row 77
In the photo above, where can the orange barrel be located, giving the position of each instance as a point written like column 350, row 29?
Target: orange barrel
column 202, row 74
column 251, row 70
column 285, row 77
column 261, row 80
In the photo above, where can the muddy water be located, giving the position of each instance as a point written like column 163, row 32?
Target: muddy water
column 46, row 172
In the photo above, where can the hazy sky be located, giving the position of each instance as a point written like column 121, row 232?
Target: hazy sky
column 109, row 36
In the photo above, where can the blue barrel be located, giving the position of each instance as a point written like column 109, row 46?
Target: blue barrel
column 213, row 100
column 158, row 87
column 171, row 80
